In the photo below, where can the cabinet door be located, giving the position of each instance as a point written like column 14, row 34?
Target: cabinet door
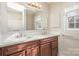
column 45, row 49
column 22, row 53
column 0, row 51
column 54, row 46
column 13, row 49
column 33, row 51
column 54, row 51
column 28, row 51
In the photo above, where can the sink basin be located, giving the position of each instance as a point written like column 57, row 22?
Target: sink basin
column 19, row 38
column 26, row 38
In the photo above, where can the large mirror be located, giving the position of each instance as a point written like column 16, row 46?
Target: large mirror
column 21, row 18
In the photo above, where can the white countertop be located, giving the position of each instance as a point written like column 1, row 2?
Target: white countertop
column 24, row 39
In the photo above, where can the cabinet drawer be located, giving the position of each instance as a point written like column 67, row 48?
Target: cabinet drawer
column 47, row 40
column 55, row 38
column 35, row 43
column 14, row 48
column 22, row 53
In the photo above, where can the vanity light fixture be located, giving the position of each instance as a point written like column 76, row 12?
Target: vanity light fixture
column 34, row 4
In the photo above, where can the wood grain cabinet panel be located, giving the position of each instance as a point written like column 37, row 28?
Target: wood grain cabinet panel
column 14, row 48
column 28, row 51
column 55, row 38
column 0, row 51
column 45, row 49
column 54, row 51
column 47, row 40
column 33, row 49
column 54, row 44
column 22, row 53
column 10, row 50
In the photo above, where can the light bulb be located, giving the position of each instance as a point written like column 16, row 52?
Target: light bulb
column 33, row 3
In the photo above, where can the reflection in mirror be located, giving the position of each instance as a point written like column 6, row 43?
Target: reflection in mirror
column 30, row 20
column 36, row 20
column 15, row 16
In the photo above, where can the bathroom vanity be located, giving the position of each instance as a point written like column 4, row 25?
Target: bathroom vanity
column 40, row 47
column 22, row 19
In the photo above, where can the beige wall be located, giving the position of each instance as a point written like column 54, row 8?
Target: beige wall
column 45, row 6
column 54, row 19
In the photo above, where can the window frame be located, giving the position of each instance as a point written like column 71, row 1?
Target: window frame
column 67, row 20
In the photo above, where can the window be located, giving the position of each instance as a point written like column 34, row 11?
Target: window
column 72, row 19
column 73, row 22
column 77, row 21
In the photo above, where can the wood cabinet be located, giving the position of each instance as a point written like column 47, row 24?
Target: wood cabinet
column 41, row 47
